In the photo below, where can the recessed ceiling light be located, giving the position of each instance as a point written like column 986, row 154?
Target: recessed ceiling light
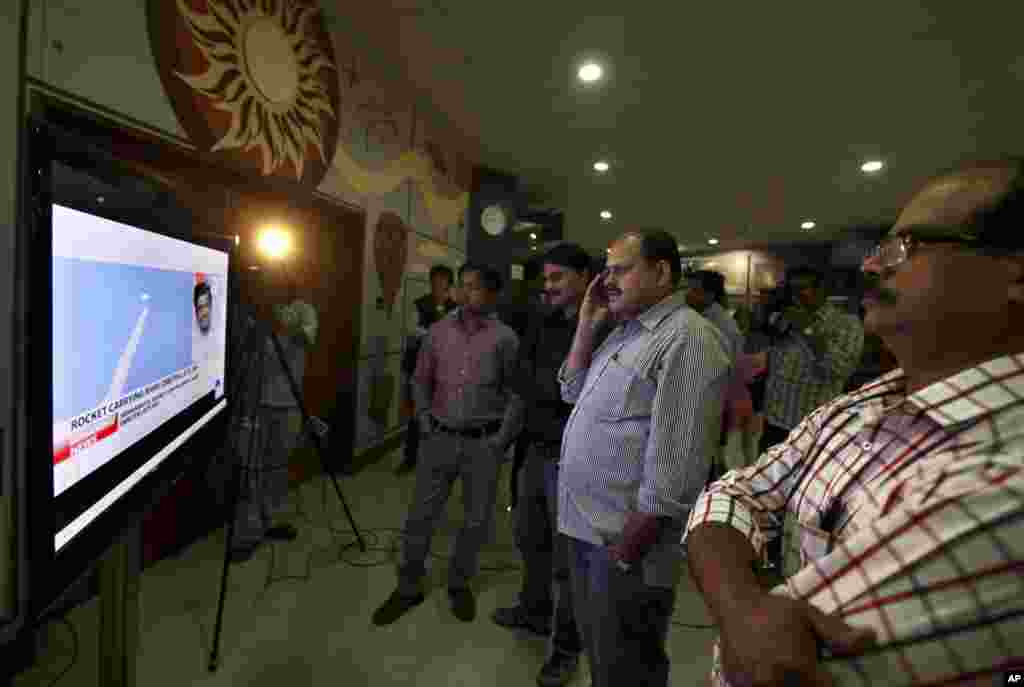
column 872, row 166
column 713, row 242
column 590, row 72
column 533, row 236
column 808, row 225
column 606, row 214
column 601, row 166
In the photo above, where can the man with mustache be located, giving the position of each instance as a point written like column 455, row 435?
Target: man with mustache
column 635, row 453
column 908, row 491
column 567, row 273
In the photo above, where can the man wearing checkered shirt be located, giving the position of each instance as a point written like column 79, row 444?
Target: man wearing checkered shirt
column 909, row 492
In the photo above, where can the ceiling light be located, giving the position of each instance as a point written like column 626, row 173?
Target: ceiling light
column 808, row 225
column 606, row 214
column 601, row 166
column 872, row 166
column 100, row 199
column 713, row 242
column 533, row 236
column 590, row 72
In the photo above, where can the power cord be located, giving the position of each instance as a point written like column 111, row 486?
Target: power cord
column 375, row 545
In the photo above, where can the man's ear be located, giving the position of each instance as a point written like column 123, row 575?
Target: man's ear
column 666, row 272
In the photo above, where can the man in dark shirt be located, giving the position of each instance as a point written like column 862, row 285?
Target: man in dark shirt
column 567, row 272
column 429, row 309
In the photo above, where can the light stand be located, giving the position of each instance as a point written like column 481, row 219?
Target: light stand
column 242, row 403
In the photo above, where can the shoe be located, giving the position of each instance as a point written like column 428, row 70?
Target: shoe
column 395, row 607
column 241, row 554
column 282, row 533
column 519, row 616
column 558, row 670
column 463, row 604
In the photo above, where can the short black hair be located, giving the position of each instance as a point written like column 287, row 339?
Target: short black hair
column 657, row 245
column 569, row 255
column 711, row 281
column 490, row 277
column 200, row 289
column 817, row 275
column 442, row 269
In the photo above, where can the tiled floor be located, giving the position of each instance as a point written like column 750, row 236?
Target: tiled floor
column 311, row 625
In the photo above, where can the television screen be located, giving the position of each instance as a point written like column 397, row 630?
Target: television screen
column 139, row 331
column 127, row 302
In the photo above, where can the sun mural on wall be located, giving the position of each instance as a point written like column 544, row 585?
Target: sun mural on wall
column 253, row 80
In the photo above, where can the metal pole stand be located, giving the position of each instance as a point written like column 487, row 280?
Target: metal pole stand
column 120, row 572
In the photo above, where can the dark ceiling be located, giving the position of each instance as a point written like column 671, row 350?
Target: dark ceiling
column 729, row 120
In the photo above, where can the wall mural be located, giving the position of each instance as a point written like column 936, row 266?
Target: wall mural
column 252, row 80
column 390, row 246
column 406, row 150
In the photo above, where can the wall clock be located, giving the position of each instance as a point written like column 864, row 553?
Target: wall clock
column 494, row 220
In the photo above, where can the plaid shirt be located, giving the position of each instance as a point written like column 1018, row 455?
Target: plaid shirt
column 798, row 380
column 911, row 519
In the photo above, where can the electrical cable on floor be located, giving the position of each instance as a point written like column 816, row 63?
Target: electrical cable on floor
column 374, row 545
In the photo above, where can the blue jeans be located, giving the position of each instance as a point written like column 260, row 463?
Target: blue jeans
column 623, row 621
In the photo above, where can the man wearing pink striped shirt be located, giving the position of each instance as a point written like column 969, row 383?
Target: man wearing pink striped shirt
column 908, row 492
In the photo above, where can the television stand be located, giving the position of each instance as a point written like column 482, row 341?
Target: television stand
column 119, row 577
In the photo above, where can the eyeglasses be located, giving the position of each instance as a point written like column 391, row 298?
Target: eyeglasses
column 897, row 249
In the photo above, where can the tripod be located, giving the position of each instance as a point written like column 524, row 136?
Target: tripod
column 243, row 405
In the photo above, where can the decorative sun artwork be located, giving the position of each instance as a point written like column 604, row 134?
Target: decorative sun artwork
column 252, row 80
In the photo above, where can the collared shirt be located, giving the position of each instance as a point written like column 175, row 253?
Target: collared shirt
column 910, row 513
column 464, row 378
column 545, row 347
column 800, row 381
column 721, row 318
column 427, row 313
column 643, row 431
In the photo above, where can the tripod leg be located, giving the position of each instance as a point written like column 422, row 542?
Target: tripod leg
column 243, row 465
column 297, row 394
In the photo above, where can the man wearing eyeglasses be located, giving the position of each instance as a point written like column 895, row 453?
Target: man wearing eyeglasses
column 910, row 490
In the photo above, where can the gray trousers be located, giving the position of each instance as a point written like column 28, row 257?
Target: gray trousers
column 544, row 549
column 264, row 483
column 443, row 458
column 624, row 622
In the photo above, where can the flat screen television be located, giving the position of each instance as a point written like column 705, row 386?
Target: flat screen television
column 126, row 352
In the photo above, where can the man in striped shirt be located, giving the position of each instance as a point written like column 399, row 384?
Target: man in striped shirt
column 635, row 453
column 909, row 492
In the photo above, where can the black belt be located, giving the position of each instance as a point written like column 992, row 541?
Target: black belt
column 471, row 432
